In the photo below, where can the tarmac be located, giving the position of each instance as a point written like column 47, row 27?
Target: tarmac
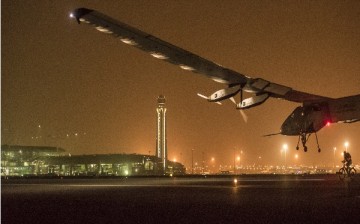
column 187, row 199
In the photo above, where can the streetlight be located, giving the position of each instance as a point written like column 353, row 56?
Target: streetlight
column 234, row 160
column 212, row 162
column 203, row 163
column 192, row 161
column 346, row 144
column 296, row 159
column 285, row 148
column 241, row 152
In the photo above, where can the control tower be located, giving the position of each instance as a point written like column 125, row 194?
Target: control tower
column 161, row 141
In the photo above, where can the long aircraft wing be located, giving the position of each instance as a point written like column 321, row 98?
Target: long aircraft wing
column 188, row 61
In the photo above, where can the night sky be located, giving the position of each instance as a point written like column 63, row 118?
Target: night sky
column 89, row 93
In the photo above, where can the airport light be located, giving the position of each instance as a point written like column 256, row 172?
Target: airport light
column 346, row 144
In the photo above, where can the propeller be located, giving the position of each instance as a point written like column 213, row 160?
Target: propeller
column 244, row 116
column 207, row 98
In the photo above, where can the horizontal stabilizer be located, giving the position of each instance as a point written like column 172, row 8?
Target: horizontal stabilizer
column 272, row 134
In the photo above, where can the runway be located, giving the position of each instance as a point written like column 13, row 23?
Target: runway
column 201, row 199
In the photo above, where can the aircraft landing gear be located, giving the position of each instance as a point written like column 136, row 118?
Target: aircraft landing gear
column 304, row 138
column 317, row 142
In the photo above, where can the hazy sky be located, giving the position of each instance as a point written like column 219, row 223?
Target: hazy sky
column 70, row 78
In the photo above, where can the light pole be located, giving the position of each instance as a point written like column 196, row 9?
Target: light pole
column 259, row 165
column 334, row 156
column 234, row 160
column 203, row 163
column 285, row 147
column 241, row 152
column 212, row 162
column 192, row 161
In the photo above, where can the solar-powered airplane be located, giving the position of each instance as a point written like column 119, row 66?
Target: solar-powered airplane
column 315, row 112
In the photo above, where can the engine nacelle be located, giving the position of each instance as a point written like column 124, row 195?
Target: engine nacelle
column 224, row 94
column 252, row 101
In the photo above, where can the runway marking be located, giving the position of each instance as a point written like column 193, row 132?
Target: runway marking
column 227, row 185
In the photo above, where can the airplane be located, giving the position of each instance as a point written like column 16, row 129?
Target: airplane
column 314, row 113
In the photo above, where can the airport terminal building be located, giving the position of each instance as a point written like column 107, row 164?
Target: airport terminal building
column 53, row 161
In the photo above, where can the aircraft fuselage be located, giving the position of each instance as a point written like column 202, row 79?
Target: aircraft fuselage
column 311, row 117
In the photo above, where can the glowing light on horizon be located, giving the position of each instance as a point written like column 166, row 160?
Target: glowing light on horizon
column 235, row 181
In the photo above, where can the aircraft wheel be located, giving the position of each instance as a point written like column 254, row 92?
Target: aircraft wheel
column 319, row 150
column 305, row 148
column 297, row 147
